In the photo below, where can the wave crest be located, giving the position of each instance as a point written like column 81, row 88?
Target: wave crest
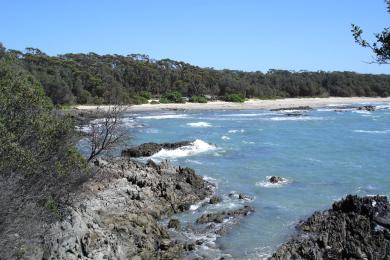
column 372, row 131
column 168, row 116
column 199, row 124
column 196, row 147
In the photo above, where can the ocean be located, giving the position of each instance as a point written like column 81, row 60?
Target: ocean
column 323, row 155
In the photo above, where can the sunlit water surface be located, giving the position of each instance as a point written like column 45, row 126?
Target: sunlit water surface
column 323, row 154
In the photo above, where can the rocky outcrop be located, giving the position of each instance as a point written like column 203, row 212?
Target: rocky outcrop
column 148, row 149
column 292, row 108
column 355, row 228
column 117, row 214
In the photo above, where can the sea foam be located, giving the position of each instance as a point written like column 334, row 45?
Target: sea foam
column 168, row 116
column 298, row 118
column 268, row 184
column 233, row 131
column 372, row 131
column 199, row 124
column 196, row 147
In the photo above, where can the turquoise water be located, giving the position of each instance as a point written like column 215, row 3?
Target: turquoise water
column 323, row 154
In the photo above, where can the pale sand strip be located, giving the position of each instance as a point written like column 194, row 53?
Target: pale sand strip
column 250, row 104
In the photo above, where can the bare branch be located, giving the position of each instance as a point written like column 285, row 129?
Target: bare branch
column 106, row 133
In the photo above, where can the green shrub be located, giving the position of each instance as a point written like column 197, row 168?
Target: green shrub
column 145, row 94
column 233, row 98
column 52, row 206
column 172, row 97
column 269, row 97
column 154, row 102
column 164, row 100
column 198, row 99
column 137, row 100
column 33, row 139
column 84, row 97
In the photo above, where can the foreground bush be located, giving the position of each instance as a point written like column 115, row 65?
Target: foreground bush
column 39, row 166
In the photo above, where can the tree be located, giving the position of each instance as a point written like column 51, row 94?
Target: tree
column 106, row 133
column 381, row 48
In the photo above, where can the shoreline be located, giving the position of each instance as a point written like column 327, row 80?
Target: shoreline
column 247, row 105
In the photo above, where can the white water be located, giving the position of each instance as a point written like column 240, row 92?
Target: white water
column 196, row 147
column 199, row 124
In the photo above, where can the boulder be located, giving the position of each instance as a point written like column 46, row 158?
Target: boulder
column 276, row 179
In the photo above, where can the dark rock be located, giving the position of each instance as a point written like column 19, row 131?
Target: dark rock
column 210, row 217
column 189, row 247
column 233, row 195
column 174, row 223
column 165, row 244
column 199, row 242
column 367, row 108
column 276, row 179
column 215, row 199
column 294, row 114
column 220, row 216
column 347, row 231
column 243, row 196
column 292, row 108
column 148, row 149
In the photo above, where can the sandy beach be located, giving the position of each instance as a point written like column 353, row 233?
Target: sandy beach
column 250, row 104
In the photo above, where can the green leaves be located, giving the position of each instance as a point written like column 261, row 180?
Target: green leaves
column 172, row 97
column 198, row 99
column 234, row 98
column 33, row 139
column 381, row 48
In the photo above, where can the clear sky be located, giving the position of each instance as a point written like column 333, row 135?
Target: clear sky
column 235, row 34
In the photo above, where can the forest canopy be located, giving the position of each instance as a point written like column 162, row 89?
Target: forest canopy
column 102, row 79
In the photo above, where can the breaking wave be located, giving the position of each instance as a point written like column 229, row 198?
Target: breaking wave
column 199, row 124
column 233, row 131
column 196, row 147
column 372, row 131
column 170, row 116
column 298, row 118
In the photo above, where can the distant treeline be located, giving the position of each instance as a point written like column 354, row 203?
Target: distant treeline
column 93, row 78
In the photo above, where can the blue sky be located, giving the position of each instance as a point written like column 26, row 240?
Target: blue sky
column 242, row 34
